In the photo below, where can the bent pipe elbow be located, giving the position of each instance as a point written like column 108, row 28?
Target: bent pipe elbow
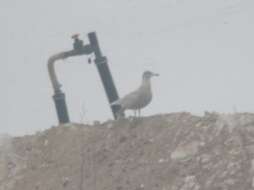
column 51, row 69
column 63, row 55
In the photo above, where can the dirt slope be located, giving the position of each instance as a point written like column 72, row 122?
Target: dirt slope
column 164, row 152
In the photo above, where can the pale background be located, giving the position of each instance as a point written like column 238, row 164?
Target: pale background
column 203, row 50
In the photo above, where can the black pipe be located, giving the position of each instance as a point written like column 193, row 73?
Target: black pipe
column 61, row 108
column 104, row 72
column 59, row 96
column 103, row 69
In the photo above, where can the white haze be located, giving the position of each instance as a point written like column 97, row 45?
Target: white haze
column 203, row 50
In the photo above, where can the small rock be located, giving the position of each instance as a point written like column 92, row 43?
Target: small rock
column 161, row 160
column 183, row 152
column 66, row 181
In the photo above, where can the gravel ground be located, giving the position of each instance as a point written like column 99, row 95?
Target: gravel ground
column 176, row 151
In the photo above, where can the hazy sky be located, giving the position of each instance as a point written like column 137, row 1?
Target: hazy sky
column 203, row 50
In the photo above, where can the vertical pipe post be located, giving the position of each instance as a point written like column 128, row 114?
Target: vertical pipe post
column 61, row 108
column 59, row 96
column 104, row 72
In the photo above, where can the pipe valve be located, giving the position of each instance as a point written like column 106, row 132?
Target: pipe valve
column 77, row 44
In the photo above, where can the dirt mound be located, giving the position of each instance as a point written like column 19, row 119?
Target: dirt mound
column 164, row 152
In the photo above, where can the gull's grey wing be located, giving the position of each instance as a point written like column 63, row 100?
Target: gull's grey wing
column 129, row 101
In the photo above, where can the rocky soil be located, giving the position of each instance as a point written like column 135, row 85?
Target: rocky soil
column 175, row 151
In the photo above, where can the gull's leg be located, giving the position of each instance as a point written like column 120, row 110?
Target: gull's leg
column 139, row 112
